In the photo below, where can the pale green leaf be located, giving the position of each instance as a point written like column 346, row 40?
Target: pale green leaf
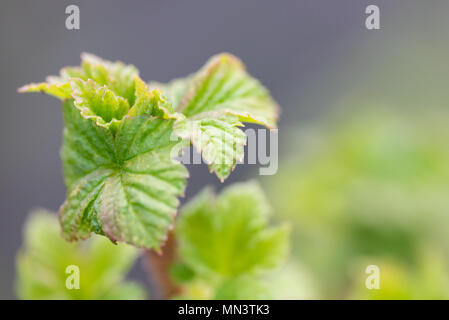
column 217, row 137
column 118, row 77
column 44, row 257
column 214, row 100
column 224, row 84
column 61, row 90
column 238, row 240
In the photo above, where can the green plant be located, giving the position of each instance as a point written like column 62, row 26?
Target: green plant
column 120, row 141
column 120, row 134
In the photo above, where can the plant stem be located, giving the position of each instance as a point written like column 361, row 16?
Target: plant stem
column 158, row 267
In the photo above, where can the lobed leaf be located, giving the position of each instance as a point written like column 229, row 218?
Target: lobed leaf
column 238, row 240
column 223, row 84
column 214, row 100
column 126, row 186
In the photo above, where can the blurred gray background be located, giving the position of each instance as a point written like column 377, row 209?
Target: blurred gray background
column 299, row 49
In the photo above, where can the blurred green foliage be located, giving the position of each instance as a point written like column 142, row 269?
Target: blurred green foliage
column 427, row 279
column 42, row 263
column 370, row 189
column 226, row 245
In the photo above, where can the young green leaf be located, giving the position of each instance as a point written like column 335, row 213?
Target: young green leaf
column 238, row 240
column 221, row 89
column 218, row 137
column 58, row 89
column 45, row 256
column 116, row 154
column 229, row 260
column 223, row 84
column 126, row 186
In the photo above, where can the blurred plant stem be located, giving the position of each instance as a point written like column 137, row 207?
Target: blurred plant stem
column 158, row 266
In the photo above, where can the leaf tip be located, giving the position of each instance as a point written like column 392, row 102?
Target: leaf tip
column 23, row 89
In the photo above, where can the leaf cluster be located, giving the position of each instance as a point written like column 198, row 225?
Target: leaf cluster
column 121, row 136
